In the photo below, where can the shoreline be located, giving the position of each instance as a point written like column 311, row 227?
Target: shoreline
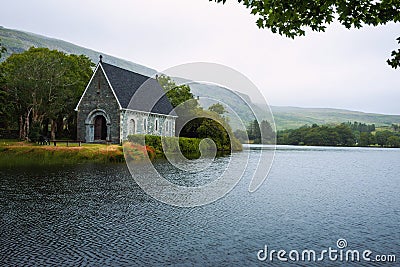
column 23, row 153
column 19, row 153
column 315, row 146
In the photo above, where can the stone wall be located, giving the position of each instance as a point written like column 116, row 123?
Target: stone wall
column 136, row 122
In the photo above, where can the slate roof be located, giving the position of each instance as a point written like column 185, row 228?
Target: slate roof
column 148, row 94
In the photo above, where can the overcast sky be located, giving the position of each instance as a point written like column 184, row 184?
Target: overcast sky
column 339, row 68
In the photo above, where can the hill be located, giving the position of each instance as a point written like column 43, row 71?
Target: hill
column 285, row 117
column 18, row 41
column 294, row 117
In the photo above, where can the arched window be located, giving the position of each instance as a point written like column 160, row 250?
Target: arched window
column 145, row 125
column 156, row 125
column 132, row 127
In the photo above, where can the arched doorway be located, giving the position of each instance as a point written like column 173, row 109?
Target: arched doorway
column 100, row 128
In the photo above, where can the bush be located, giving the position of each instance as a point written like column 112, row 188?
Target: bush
column 188, row 146
column 393, row 141
column 134, row 151
column 34, row 132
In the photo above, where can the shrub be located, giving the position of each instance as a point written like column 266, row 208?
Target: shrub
column 188, row 146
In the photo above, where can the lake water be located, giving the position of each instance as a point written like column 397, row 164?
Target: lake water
column 97, row 215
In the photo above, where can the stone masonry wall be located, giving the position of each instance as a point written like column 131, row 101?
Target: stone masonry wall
column 99, row 96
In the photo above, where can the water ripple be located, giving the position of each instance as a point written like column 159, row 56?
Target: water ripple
column 97, row 216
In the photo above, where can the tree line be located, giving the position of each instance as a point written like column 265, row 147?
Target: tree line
column 257, row 133
column 39, row 90
column 345, row 134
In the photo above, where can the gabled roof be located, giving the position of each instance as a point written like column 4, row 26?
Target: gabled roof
column 149, row 95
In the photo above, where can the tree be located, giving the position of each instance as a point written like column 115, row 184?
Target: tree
column 366, row 139
column 3, row 49
column 254, row 132
column 177, row 94
column 43, row 86
column 290, row 18
column 241, row 135
column 6, row 111
column 325, row 135
column 297, row 136
column 267, row 133
column 215, row 130
column 346, row 136
column 393, row 141
column 193, row 121
column 186, row 106
column 382, row 137
column 394, row 62
column 6, row 108
column 217, row 108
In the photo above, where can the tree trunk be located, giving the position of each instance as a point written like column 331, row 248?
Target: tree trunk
column 53, row 129
column 60, row 126
column 26, row 128
column 46, row 127
column 27, row 124
column 21, row 128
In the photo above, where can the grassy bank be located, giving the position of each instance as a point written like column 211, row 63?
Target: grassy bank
column 14, row 153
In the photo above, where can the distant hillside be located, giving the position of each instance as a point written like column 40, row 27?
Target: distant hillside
column 18, row 41
column 294, row 117
column 285, row 117
column 239, row 103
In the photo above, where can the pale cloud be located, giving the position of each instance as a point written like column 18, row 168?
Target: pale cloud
column 340, row 68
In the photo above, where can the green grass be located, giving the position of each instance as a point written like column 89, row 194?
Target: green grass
column 384, row 128
column 14, row 153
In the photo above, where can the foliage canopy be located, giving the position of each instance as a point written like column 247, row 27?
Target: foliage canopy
column 41, row 87
column 195, row 122
column 2, row 49
column 345, row 134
